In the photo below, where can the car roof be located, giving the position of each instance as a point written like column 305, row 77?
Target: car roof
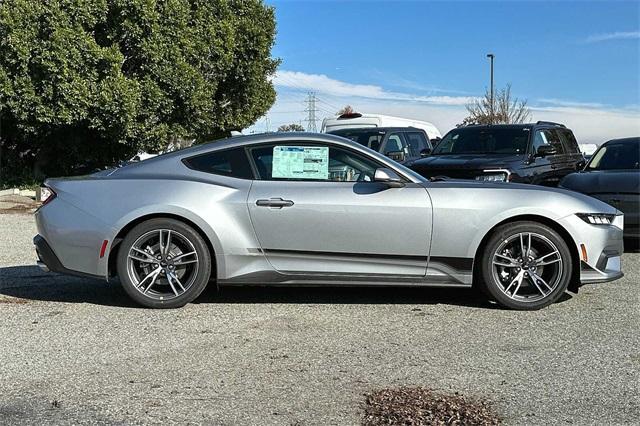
column 497, row 126
column 635, row 139
column 373, row 129
column 246, row 140
column 515, row 126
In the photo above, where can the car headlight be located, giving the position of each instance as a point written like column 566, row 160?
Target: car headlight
column 494, row 176
column 597, row 218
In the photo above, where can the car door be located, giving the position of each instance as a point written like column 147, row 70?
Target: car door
column 545, row 170
column 316, row 210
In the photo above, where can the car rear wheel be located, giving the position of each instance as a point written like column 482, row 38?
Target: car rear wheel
column 526, row 265
column 163, row 263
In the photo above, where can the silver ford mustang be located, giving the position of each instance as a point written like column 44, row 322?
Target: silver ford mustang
column 309, row 209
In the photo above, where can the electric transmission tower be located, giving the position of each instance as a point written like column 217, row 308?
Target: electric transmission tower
column 311, row 112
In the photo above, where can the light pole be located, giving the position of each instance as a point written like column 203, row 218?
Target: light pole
column 491, row 56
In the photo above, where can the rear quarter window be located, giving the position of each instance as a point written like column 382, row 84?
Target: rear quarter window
column 231, row 162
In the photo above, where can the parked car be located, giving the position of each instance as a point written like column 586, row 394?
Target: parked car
column 357, row 120
column 539, row 153
column 402, row 144
column 266, row 210
column 613, row 176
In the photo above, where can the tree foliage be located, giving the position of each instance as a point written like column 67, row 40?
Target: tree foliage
column 293, row 127
column 93, row 81
column 347, row 109
column 506, row 110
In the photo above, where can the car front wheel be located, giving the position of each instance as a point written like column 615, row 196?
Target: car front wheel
column 526, row 265
column 163, row 263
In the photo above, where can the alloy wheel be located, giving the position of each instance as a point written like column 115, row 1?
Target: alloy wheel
column 162, row 264
column 527, row 266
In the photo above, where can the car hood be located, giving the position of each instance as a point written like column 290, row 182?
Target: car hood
column 603, row 181
column 466, row 161
column 523, row 195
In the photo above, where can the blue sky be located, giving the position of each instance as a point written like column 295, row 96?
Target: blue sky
column 570, row 60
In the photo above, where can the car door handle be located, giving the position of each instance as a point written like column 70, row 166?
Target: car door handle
column 274, row 202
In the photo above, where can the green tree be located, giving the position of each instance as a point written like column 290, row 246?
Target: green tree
column 293, row 127
column 95, row 81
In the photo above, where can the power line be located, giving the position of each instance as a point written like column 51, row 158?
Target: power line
column 329, row 104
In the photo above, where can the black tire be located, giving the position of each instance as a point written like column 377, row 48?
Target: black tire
column 497, row 280
column 195, row 267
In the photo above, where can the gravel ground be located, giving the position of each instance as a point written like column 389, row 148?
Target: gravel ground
column 77, row 351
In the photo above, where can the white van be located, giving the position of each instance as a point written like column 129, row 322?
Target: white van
column 357, row 120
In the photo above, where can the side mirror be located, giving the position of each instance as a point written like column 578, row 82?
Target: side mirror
column 425, row 152
column 397, row 155
column 388, row 177
column 545, row 150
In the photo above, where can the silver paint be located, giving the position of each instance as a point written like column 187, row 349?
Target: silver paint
column 380, row 224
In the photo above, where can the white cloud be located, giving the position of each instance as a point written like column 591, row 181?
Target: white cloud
column 592, row 122
column 323, row 84
column 565, row 103
column 618, row 35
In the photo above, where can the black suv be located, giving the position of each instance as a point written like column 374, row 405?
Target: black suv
column 540, row 153
column 402, row 144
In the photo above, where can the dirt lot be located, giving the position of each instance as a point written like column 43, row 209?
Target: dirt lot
column 77, row 351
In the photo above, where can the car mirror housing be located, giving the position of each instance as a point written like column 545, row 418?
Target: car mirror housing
column 388, row 177
column 425, row 152
column 396, row 155
column 545, row 150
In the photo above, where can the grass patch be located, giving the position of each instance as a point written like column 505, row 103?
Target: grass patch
column 417, row 406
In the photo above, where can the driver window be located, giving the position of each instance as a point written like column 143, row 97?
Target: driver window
column 539, row 139
column 395, row 143
column 311, row 162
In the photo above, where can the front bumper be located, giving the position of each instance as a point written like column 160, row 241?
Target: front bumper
column 600, row 248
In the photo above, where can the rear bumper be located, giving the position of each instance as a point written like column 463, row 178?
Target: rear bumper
column 49, row 262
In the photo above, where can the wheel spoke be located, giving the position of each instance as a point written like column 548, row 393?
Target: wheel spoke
column 170, row 281
column 153, row 275
column 153, row 281
column 525, row 250
column 160, row 244
column 541, row 260
column 177, row 261
column 535, row 283
column 517, row 279
column 539, row 280
column 139, row 259
column 167, row 248
column 506, row 261
column 142, row 252
column 175, row 278
column 515, row 291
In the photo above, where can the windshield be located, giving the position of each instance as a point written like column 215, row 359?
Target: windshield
column 617, row 156
column 484, row 140
column 369, row 138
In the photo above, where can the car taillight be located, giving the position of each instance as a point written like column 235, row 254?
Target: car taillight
column 47, row 195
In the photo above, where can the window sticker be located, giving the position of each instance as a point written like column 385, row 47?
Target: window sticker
column 300, row 162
